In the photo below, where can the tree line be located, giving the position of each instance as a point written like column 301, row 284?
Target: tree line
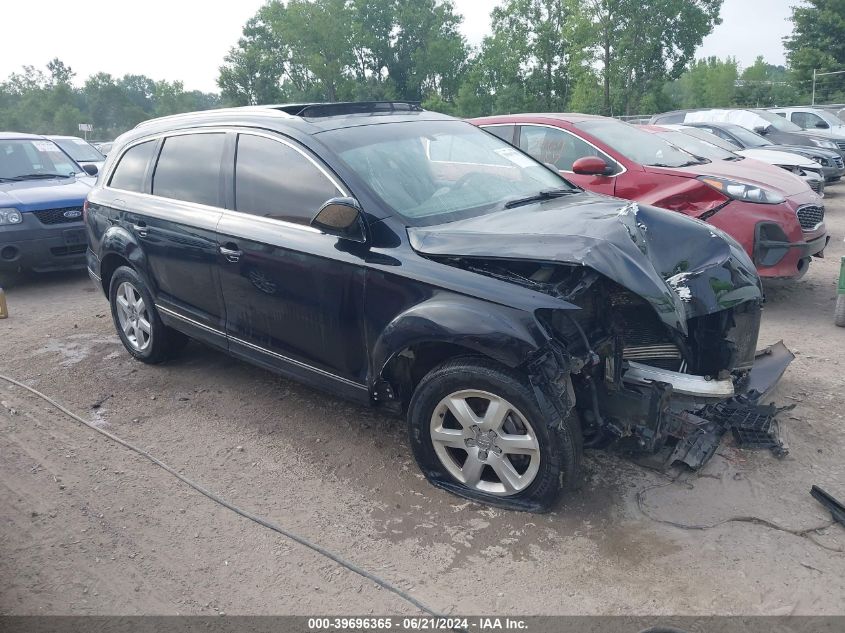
column 612, row 57
column 49, row 103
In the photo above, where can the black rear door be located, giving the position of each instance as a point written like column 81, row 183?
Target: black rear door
column 175, row 223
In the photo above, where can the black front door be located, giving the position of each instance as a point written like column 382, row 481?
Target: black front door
column 294, row 300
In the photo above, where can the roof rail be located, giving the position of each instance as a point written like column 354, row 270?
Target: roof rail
column 349, row 107
column 216, row 111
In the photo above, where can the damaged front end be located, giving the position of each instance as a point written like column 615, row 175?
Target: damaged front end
column 661, row 351
column 649, row 387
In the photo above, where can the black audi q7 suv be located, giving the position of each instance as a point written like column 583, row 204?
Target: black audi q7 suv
column 412, row 261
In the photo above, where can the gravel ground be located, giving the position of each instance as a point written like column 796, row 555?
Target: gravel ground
column 87, row 527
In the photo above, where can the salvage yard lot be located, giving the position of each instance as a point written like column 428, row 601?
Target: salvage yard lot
column 90, row 528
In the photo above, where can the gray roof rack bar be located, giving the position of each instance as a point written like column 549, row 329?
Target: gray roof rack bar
column 350, row 107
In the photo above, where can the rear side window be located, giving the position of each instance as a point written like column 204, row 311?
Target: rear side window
column 189, row 168
column 275, row 181
column 130, row 171
column 504, row 132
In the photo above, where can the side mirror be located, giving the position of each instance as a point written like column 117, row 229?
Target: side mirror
column 761, row 129
column 91, row 170
column 341, row 217
column 592, row 166
column 822, row 125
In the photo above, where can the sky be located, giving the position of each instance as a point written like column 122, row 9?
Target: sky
column 186, row 40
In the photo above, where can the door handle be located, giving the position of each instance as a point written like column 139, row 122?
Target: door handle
column 231, row 254
column 140, row 229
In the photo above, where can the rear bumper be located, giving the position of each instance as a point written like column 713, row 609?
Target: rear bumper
column 31, row 245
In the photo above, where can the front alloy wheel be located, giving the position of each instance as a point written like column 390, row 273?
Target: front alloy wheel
column 478, row 430
column 485, row 442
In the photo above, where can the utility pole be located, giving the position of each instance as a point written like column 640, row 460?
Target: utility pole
column 814, row 87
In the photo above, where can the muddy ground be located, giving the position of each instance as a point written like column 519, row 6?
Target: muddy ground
column 87, row 527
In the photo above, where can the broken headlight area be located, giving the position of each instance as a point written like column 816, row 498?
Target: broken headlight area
column 649, row 387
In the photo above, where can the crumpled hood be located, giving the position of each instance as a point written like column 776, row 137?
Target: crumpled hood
column 681, row 266
column 34, row 195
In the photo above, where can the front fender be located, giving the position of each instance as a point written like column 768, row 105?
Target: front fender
column 507, row 335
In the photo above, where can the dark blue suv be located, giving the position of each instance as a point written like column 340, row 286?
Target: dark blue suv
column 42, row 191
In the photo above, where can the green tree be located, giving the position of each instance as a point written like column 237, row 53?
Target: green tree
column 347, row 49
column 641, row 44
column 765, row 85
column 817, row 42
column 709, row 83
column 49, row 103
column 528, row 55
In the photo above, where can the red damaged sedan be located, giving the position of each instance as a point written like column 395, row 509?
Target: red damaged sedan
column 774, row 214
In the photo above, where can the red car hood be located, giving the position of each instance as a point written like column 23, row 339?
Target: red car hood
column 749, row 170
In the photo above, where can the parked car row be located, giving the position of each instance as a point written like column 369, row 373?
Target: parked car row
column 772, row 213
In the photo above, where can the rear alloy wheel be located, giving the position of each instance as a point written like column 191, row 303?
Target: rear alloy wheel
column 137, row 321
column 133, row 316
column 477, row 430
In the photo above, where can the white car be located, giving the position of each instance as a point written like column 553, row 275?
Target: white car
column 802, row 166
column 817, row 120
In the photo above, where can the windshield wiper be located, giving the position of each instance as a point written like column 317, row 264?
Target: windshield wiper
column 689, row 163
column 38, row 175
column 548, row 194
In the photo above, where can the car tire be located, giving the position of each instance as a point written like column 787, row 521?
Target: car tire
column 137, row 321
column 840, row 311
column 531, row 455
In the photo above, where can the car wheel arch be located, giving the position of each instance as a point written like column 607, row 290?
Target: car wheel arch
column 119, row 247
column 417, row 341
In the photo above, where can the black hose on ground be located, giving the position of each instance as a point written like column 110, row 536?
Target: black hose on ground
column 404, row 595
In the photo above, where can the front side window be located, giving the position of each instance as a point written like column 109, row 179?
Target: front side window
column 637, row 145
column 130, row 171
column 556, row 147
column 807, row 120
column 276, row 181
column 431, row 172
column 188, row 168
column 24, row 159
column 777, row 122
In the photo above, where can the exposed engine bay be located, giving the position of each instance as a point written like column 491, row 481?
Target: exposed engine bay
column 645, row 385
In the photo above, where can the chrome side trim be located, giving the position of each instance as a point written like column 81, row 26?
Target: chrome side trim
column 684, row 384
column 300, row 364
column 264, row 350
column 94, row 276
column 176, row 315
